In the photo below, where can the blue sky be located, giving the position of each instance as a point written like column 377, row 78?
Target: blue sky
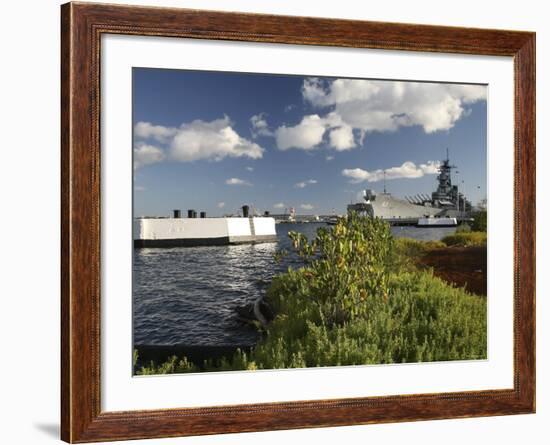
column 213, row 141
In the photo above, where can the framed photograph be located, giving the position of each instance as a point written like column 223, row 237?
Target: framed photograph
column 275, row 222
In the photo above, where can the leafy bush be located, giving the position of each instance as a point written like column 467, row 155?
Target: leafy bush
column 466, row 239
column 350, row 306
column 463, row 228
column 480, row 221
column 408, row 252
column 171, row 366
column 346, row 265
column 412, row 248
column 423, row 319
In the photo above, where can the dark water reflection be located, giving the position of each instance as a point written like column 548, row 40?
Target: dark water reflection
column 188, row 295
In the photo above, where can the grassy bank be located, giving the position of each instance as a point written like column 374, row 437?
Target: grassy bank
column 459, row 259
column 466, row 239
column 359, row 299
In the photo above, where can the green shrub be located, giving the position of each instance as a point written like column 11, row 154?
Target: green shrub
column 350, row 306
column 412, row 248
column 408, row 252
column 345, row 266
column 172, row 366
column 466, row 239
column 423, row 319
column 463, row 228
column 480, row 221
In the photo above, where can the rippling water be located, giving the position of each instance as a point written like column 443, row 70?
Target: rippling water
column 188, row 295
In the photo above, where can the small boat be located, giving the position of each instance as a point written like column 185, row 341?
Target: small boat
column 431, row 221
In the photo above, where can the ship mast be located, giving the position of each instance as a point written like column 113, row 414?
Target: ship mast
column 446, row 191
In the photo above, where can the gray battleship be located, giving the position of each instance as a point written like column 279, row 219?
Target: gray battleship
column 445, row 202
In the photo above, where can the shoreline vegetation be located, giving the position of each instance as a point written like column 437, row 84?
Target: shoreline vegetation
column 365, row 297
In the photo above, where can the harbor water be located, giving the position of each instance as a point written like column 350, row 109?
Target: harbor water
column 188, row 295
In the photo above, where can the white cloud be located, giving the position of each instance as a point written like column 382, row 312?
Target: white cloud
column 197, row 140
column 313, row 91
column 145, row 154
column 329, row 158
column 221, row 205
column 373, row 105
column 306, row 135
column 146, row 130
column 430, row 168
column 406, row 170
column 237, row 181
column 250, row 169
column 259, row 125
column 304, row 184
column 279, row 205
column 211, row 140
column 341, row 138
column 306, row 206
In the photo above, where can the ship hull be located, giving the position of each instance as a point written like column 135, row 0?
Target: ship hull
column 387, row 207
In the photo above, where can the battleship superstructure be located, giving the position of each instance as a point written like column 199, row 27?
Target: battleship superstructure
column 445, row 201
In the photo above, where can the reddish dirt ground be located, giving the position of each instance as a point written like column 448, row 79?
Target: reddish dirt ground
column 462, row 266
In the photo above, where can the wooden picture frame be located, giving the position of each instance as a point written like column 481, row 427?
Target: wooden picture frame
column 82, row 25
